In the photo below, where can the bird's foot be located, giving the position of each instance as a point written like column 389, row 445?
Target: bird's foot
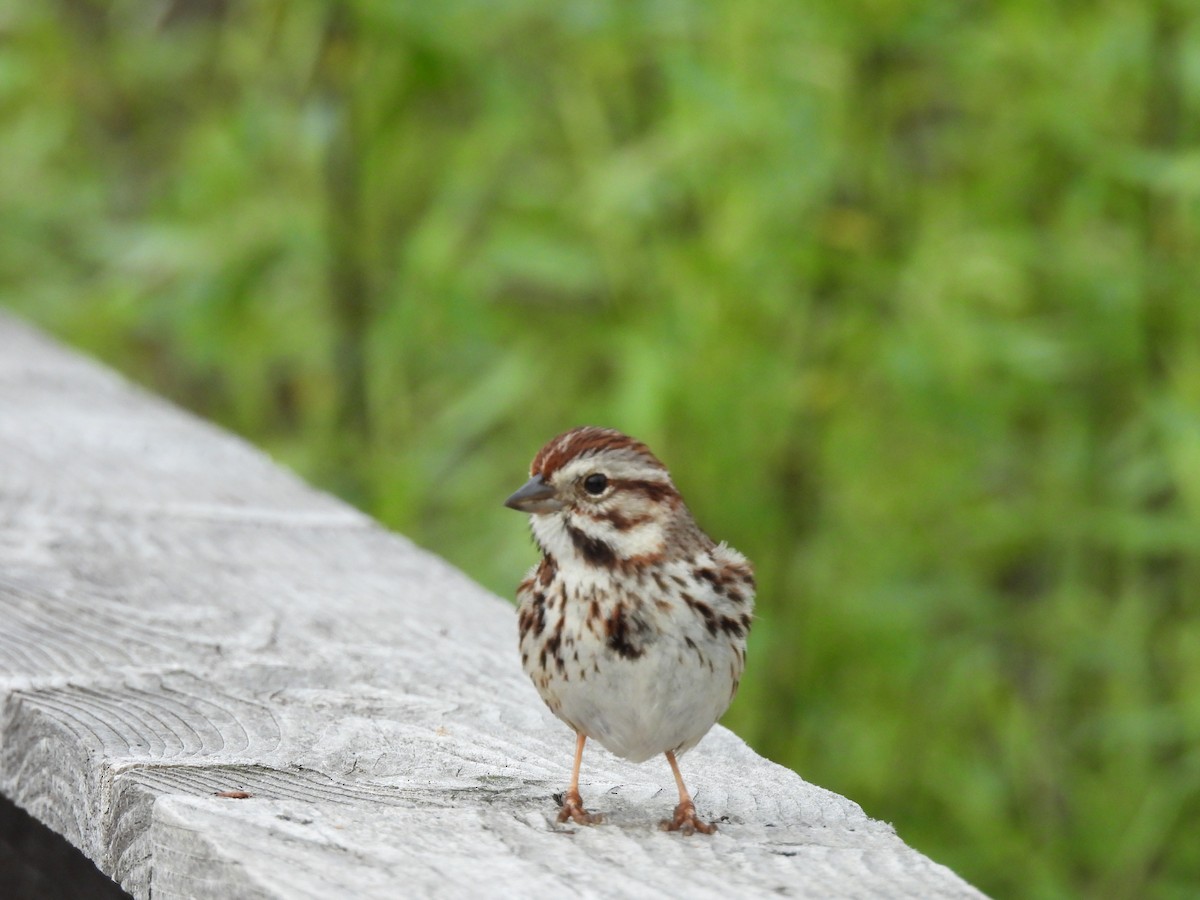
column 685, row 821
column 572, row 810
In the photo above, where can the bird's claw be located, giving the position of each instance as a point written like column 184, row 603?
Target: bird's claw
column 685, row 821
column 572, row 810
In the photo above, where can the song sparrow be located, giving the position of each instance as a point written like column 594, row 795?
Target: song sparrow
column 633, row 625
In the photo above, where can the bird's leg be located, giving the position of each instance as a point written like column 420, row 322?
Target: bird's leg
column 685, row 820
column 572, row 803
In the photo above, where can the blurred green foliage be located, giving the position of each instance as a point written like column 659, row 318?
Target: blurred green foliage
column 905, row 295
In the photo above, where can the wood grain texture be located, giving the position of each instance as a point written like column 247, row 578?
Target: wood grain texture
column 179, row 618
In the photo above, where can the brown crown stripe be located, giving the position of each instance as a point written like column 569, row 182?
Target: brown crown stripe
column 583, row 441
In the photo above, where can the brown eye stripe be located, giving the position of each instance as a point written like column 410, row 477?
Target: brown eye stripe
column 654, row 491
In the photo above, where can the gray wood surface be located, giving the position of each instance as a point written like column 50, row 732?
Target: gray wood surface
column 180, row 617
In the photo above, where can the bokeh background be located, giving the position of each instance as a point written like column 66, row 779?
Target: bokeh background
column 906, row 294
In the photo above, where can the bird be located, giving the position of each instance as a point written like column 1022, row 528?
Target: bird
column 633, row 624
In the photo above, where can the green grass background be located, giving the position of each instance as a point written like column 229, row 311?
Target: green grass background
column 906, row 295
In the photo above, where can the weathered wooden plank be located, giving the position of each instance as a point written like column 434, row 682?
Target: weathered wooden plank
column 180, row 618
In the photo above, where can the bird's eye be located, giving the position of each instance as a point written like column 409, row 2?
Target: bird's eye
column 595, row 484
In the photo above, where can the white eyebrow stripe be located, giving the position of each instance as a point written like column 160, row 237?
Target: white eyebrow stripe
column 635, row 469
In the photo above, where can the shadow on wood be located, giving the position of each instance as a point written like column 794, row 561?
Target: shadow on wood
column 37, row 863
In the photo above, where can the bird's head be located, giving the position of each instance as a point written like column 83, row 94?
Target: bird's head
column 600, row 496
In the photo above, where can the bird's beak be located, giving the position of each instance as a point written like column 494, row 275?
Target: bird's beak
column 535, row 496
